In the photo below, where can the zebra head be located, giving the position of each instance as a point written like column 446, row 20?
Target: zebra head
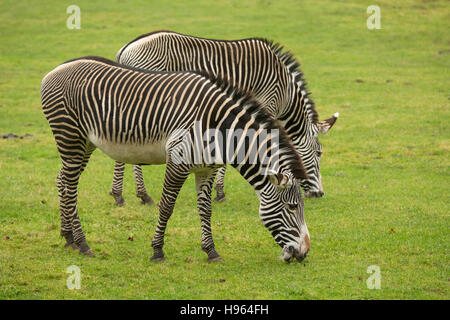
column 310, row 151
column 300, row 120
column 281, row 212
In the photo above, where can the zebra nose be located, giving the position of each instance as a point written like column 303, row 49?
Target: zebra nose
column 314, row 194
column 300, row 257
column 303, row 250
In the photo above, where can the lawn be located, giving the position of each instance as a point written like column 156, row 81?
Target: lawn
column 385, row 164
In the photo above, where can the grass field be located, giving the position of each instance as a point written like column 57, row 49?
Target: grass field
column 385, row 164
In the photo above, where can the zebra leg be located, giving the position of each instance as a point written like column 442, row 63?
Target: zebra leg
column 66, row 226
column 204, row 182
column 174, row 178
column 73, row 164
column 141, row 192
column 117, row 185
column 220, row 194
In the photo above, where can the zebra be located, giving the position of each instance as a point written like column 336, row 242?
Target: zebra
column 254, row 64
column 142, row 117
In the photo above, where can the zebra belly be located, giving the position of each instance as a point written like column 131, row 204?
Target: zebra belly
column 154, row 153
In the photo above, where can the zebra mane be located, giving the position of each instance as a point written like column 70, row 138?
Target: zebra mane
column 293, row 66
column 246, row 100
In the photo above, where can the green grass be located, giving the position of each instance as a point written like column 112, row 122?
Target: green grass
column 385, row 163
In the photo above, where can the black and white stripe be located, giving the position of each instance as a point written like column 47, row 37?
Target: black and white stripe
column 141, row 117
column 255, row 65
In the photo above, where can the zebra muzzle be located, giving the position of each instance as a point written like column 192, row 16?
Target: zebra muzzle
column 314, row 194
column 290, row 252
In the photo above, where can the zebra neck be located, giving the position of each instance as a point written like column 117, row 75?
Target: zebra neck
column 256, row 175
column 252, row 150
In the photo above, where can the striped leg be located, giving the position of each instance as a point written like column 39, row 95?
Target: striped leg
column 67, row 182
column 174, row 179
column 141, row 192
column 220, row 194
column 117, row 185
column 66, row 225
column 204, row 182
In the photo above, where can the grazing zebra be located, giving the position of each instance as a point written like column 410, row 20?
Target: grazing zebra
column 255, row 65
column 143, row 117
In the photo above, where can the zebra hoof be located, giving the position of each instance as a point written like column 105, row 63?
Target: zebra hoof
column 215, row 259
column 85, row 250
column 158, row 255
column 88, row 253
column 146, row 199
column 120, row 201
column 157, row 259
column 72, row 245
column 213, row 256
column 220, row 197
column 69, row 240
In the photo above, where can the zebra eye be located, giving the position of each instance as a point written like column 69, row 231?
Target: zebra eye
column 319, row 153
column 291, row 206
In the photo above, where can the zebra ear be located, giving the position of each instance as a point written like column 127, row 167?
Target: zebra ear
column 325, row 125
column 280, row 180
